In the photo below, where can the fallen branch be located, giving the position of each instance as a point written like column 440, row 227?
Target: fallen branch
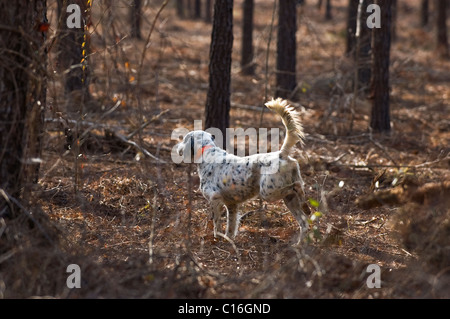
column 153, row 119
column 111, row 133
column 422, row 165
column 246, row 107
column 383, row 149
column 123, row 139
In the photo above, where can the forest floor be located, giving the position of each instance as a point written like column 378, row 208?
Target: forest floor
column 141, row 228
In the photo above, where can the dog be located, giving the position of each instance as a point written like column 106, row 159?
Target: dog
column 229, row 180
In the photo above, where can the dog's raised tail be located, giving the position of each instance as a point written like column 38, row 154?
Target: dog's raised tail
column 291, row 120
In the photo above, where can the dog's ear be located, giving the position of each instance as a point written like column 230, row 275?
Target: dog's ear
column 192, row 146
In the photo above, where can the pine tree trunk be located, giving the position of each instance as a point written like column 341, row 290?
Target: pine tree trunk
column 381, row 45
column 180, row 8
column 364, row 60
column 394, row 21
column 189, row 8
column 218, row 98
column 135, row 19
column 328, row 15
column 22, row 96
column 424, row 9
column 442, row 40
column 352, row 9
column 247, row 64
column 198, row 9
column 208, row 11
column 286, row 48
column 70, row 56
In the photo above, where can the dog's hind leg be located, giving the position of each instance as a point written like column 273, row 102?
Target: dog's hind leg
column 297, row 207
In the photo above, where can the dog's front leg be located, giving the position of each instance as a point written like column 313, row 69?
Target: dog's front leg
column 216, row 206
column 232, row 220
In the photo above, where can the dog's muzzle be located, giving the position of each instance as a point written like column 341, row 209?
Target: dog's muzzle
column 187, row 152
column 180, row 148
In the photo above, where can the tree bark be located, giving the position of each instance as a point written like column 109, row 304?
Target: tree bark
column 394, row 21
column 328, row 15
column 424, row 9
column 247, row 64
column 22, row 96
column 198, row 9
column 364, row 60
column 208, row 11
column 286, row 48
column 352, row 10
column 71, row 53
column 217, row 110
column 189, row 8
column 381, row 45
column 135, row 19
column 180, row 8
column 442, row 40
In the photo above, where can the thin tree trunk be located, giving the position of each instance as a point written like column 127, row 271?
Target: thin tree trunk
column 286, row 48
column 189, row 8
column 394, row 21
column 247, row 64
column 217, row 110
column 442, row 40
column 352, row 10
column 71, row 53
column 198, row 9
column 73, row 58
column 424, row 12
column 328, row 15
column 208, row 11
column 380, row 116
column 135, row 19
column 180, row 8
column 364, row 60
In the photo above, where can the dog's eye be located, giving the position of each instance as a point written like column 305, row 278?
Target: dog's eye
column 212, row 137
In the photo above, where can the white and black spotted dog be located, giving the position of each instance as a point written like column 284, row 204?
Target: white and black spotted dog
column 226, row 179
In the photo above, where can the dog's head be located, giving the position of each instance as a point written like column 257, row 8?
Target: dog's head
column 193, row 145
